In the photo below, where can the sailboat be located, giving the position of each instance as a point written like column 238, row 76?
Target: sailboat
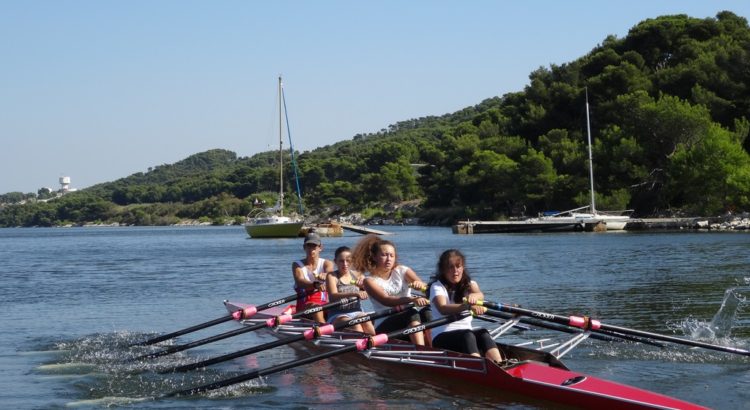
column 588, row 215
column 271, row 222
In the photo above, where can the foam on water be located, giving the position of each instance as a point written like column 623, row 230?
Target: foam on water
column 66, row 368
column 51, row 352
column 108, row 401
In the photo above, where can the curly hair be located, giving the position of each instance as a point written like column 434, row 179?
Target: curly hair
column 363, row 255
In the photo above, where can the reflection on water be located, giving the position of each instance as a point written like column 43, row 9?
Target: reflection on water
column 75, row 299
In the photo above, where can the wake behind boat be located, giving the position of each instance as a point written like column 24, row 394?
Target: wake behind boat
column 530, row 372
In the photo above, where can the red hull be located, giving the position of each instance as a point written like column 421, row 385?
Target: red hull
column 541, row 381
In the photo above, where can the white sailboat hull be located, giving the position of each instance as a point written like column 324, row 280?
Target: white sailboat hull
column 612, row 222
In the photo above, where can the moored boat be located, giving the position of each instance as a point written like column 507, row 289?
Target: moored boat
column 273, row 226
column 271, row 222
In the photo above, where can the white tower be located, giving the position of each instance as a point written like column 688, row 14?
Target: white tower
column 64, row 184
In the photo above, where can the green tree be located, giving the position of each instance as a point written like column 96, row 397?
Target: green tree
column 711, row 176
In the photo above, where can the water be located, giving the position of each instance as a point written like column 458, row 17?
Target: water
column 74, row 299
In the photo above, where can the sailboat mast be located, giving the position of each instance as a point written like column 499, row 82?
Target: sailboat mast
column 591, row 159
column 281, row 156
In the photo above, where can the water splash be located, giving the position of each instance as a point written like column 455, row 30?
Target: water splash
column 720, row 326
column 109, row 401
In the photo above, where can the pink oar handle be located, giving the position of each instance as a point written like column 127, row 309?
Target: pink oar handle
column 278, row 320
column 377, row 340
column 318, row 331
column 584, row 322
column 244, row 313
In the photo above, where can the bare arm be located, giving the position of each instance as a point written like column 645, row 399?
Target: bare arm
column 328, row 267
column 413, row 279
column 377, row 293
column 475, row 294
column 473, row 297
column 333, row 291
column 300, row 280
column 445, row 307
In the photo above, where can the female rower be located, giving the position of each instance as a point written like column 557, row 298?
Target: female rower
column 451, row 286
column 309, row 274
column 345, row 283
column 388, row 284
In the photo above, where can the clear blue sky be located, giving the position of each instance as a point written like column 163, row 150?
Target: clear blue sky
column 99, row 90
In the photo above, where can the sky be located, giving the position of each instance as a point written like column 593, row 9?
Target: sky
column 99, row 90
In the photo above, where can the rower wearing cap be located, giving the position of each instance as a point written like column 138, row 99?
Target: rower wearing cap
column 309, row 276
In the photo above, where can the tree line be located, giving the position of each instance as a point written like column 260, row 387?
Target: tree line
column 669, row 117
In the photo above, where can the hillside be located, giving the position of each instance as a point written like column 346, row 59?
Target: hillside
column 669, row 114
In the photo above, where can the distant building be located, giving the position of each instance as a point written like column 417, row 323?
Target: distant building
column 65, row 185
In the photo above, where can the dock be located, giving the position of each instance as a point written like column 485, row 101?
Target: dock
column 363, row 230
column 531, row 225
column 477, row 227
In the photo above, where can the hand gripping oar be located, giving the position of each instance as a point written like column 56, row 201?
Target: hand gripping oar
column 308, row 334
column 272, row 322
column 586, row 323
column 237, row 315
column 358, row 345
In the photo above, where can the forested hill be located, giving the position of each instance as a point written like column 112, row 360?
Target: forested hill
column 669, row 104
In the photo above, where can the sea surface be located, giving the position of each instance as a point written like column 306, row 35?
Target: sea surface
column 74, row 299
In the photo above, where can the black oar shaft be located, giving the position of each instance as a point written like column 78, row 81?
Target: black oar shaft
column 235, row 332
column 213, row 322
column 221, row 336
column 311, row 359
column 604, row 336
column 597, row 326
column 186, row 331
column 281, row 342
column 538, row 323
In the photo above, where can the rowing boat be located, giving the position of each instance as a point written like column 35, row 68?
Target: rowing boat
column 530, row 372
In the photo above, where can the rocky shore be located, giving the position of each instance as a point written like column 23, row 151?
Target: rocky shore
column 739, row 222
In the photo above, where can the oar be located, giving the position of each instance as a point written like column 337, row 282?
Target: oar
column 237, row 315
column 605, row 336
column 308, row 334
column 586, row 323
column 357, row 345
column 272, row 322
